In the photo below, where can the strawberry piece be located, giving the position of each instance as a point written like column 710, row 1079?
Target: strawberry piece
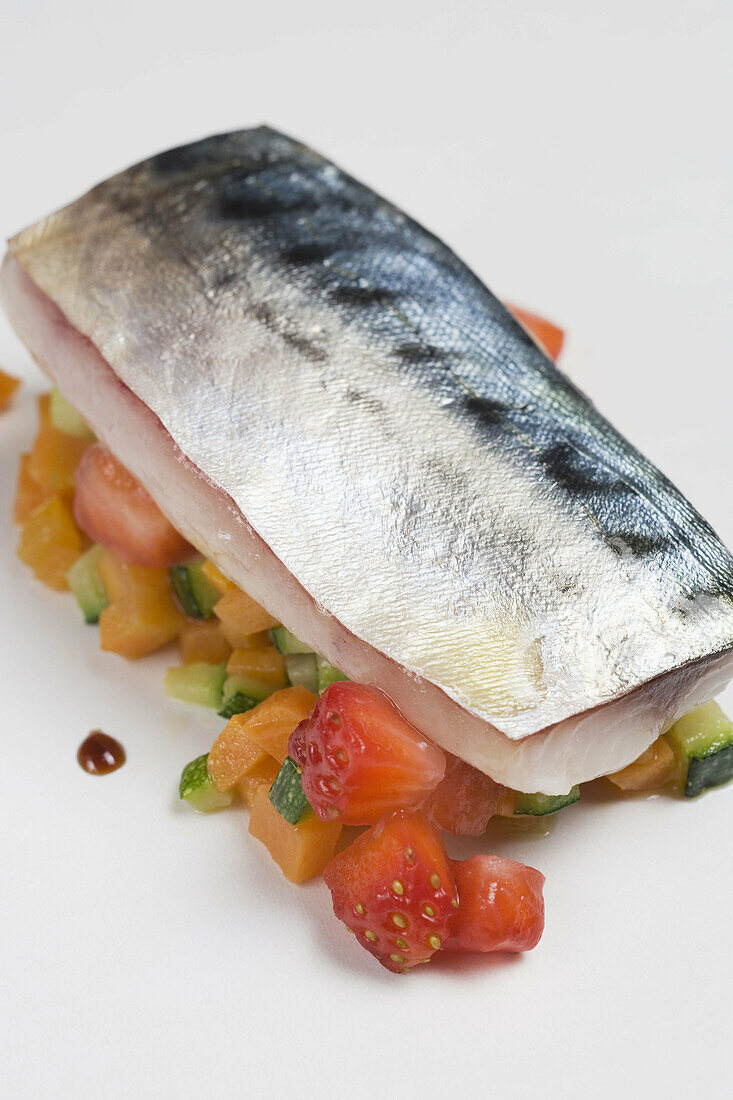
column 502, row 908
column 361, row 758
column 548, row 336
column 394, row 889
column 464, row 800
column 113, row 508
column 296, row 744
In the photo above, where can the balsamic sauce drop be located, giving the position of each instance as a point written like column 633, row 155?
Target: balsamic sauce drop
column 99, row 754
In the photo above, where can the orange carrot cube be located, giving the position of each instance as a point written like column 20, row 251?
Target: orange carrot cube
column 8, row 386
column 262, row 775
column 301, row 851
column 234, row 754
column 203, row 640
column 265, row 665
column 142, row 615
column 241, row 617
column 50, row 542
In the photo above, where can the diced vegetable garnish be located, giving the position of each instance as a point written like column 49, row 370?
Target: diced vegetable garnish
column 262, row 774
column 142, row 615
column 86, row 583
column 203, row 640
column 301, row 668
column 545, row 333
column 117, row 512
column 286, row 642
column 264, row 666
column 327, row 674
column 301, row 851
column 286, row 793
column 653, row 769
column 702, row 742
column 502, row 908
column 233, row 700
column 194, row 591
column 198, row 788
column 242, row 693
column 28, row 493
column 463, row 801
column 216, row 578
column 65, row 418
column 235, row 755
column 394, row 888
column 50, row 542
column 361, row 758
column 8, row 386
column 199, row 683
column 54, row 459
column 271, row 723
column 539, row 805
column 240, row 616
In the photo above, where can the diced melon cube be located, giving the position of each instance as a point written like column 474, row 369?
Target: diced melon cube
column 260, row 640
column 203, row 640
column 265, row 665
column 143, row 615
column 655, row 768
column 240, row 616
column 301, row 851
column 53, row 459
column 50, row 542
column 8, row 386
column 28, row 493
column 235, row 754
column 262, row 775
column 271, row 722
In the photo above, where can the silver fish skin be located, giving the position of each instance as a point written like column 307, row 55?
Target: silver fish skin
column 399, row 443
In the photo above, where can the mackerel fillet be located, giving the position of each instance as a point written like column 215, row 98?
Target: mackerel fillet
column 324, row 400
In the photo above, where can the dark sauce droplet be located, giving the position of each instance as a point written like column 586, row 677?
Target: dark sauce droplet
column 100, row 754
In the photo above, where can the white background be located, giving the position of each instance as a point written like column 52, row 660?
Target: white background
column 577, row 155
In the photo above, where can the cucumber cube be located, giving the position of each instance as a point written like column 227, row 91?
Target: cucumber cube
column 199, row 790
column 301, row 668
column 286, row 793
column 286, row 642
column 65, row 418
column 199, row 683
column 194, row 591
column 86, row 584
column 327, row 673
column 702, row 742
column 539, row 805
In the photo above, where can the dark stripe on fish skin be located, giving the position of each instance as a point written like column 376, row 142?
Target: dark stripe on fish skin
column 415, row 354
column 564, row 465
column 249, row 202
column 362, row 296
column 640, row 545
column 310, row 252
column 280, row 326
column 373, row 404
column 487, row 413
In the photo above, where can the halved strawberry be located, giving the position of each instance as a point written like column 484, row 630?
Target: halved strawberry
column 360, row 758
column 549, row 336
column 464, row 800
column 394, row 889
column 113, row 508
column 502, row 908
